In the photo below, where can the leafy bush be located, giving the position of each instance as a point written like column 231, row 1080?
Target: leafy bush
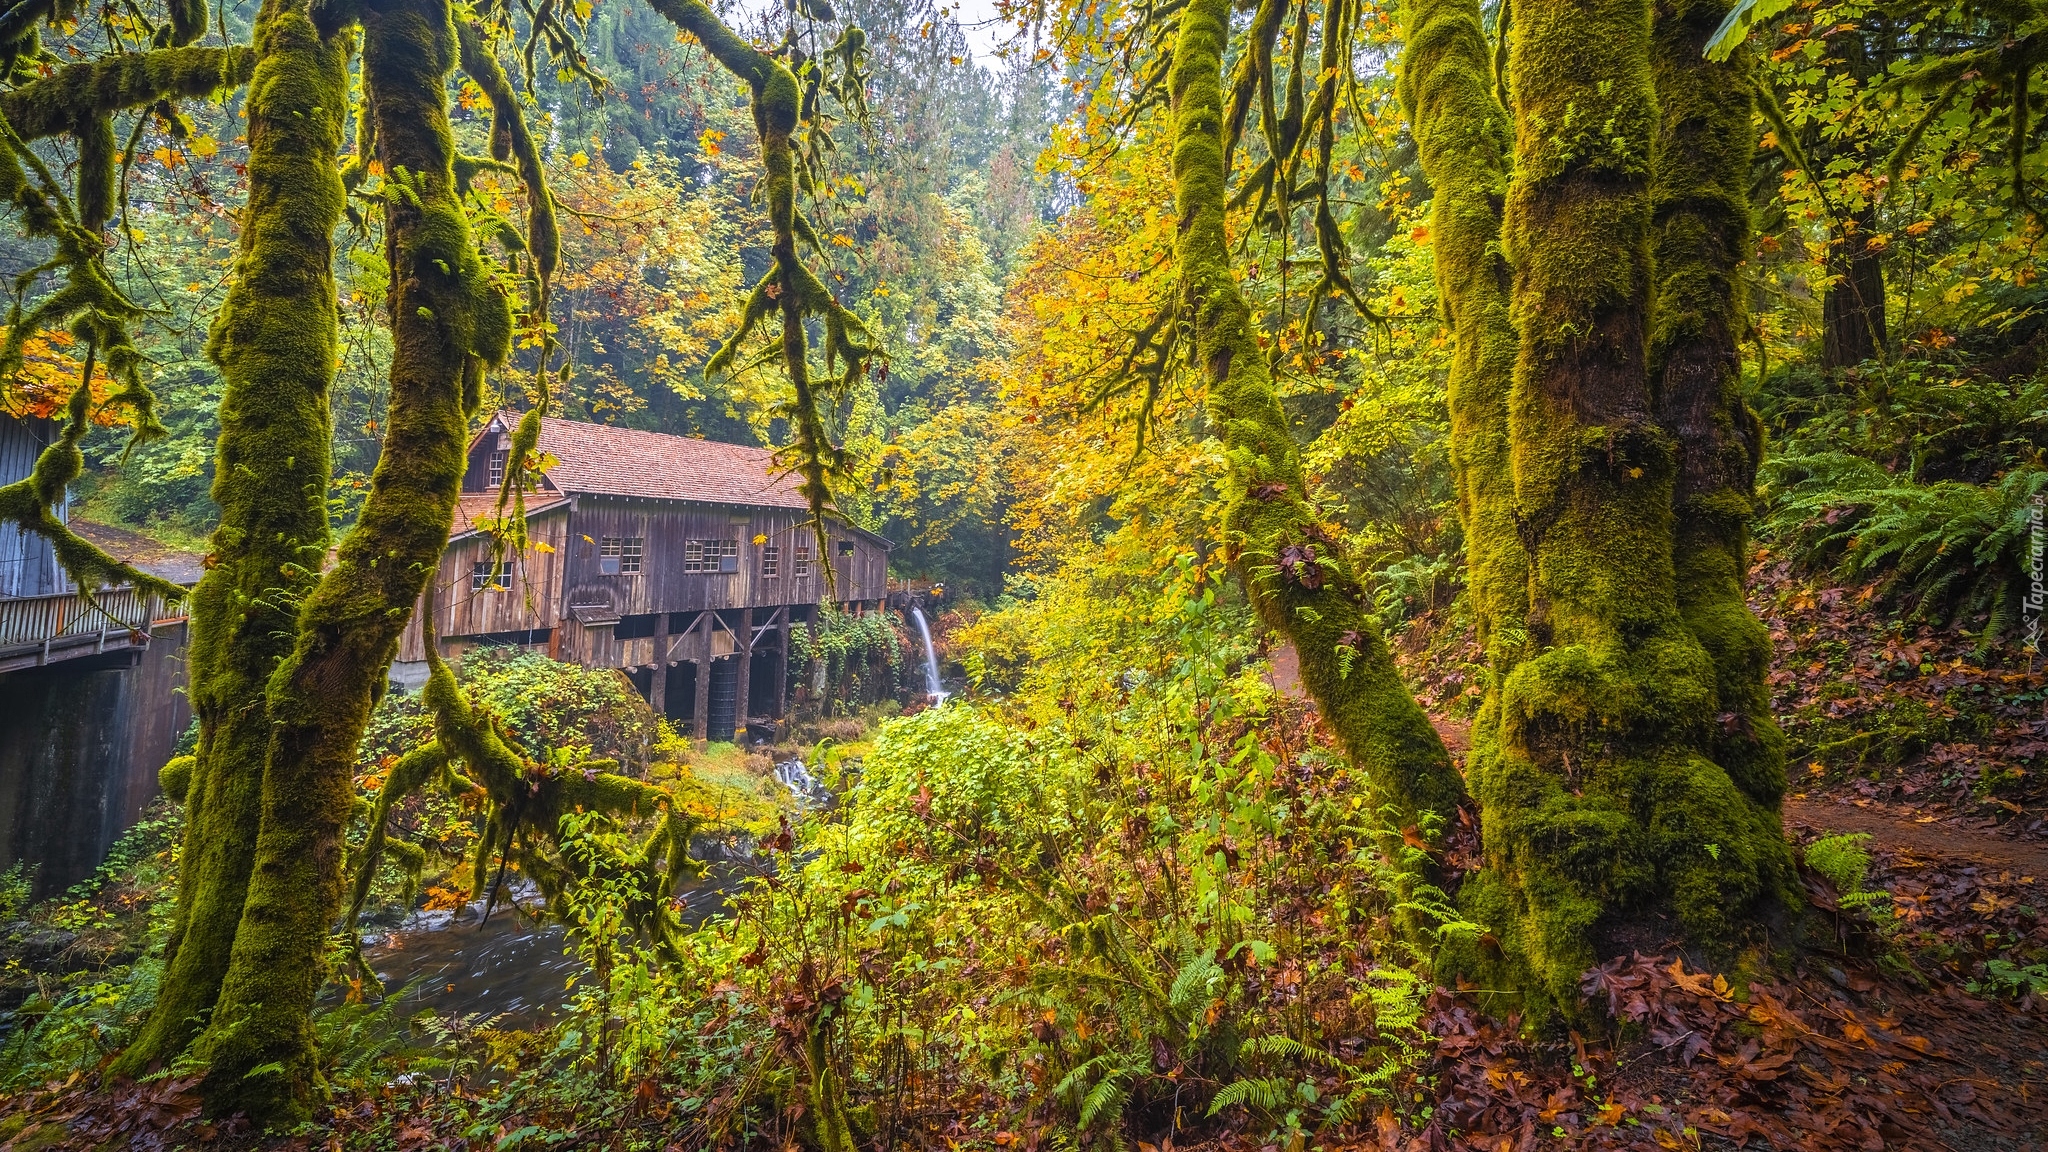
column 1954, row 548
column 1928, row 421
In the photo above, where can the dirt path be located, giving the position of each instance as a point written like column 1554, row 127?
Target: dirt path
column 1919, row 834
column 1888, row 829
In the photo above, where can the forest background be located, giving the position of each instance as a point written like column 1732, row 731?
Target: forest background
column 1006, row 227
column 1000, row 224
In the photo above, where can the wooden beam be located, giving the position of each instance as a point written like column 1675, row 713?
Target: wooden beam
column 657, row 686
column 745, row 637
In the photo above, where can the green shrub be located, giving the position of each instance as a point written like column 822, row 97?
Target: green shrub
column 1956, row 549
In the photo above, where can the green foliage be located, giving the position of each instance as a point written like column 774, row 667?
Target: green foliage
column 1842, row 860
column 863, row 657
column 1957, row 551
column 2002, row 977
column 76, row 1020
column 17, row 885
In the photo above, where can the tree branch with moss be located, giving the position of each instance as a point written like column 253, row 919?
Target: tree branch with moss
column 1286, row 556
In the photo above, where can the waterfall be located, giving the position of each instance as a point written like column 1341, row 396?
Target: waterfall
column 807, row 789
column 932, row 686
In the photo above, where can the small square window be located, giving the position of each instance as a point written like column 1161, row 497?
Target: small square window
column 801, row 563
column 693, row 556
column 497, row 466
column 487, row 577
column 846, row 547
column 771, row 560
column 620, row 555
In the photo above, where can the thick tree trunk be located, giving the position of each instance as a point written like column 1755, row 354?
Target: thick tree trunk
column 1465, row 143
column 275, row 344
column 1852, row 309
column 1287, row 559
column 1700, row 237
column 1602, row 803
column 447, row 322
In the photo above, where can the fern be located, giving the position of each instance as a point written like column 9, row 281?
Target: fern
column 1288, row 1046
column 1956, row 548
column 1103, row 1100
column 1106, row 1100
column 1265, row 1093
column 1191, row 986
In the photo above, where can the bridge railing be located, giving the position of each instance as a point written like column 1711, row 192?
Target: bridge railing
column 40, row 629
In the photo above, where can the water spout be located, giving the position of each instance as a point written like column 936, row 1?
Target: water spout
column 932, row 687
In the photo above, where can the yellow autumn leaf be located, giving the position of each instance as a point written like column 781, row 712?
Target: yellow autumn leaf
column 579, row 160
column 204, row 146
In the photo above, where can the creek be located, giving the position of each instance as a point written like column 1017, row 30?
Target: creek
column 517, row 968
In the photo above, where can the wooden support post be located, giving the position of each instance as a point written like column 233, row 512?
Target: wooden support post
column 744, row 643
column 782, row 671
column 657, row 686
column 700, row 718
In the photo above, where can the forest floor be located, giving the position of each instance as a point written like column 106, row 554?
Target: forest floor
column 1911, row 1017
column 1920, row 1025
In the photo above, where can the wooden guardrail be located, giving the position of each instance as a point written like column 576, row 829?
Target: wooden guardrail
column 38, row 630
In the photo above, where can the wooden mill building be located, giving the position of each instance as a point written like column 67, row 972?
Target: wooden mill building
column 683, row 563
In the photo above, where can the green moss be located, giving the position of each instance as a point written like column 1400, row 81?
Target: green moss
column 1700, row 235
column 1463, row 139
column 275, row 342
column 97, row 88
column 1603, row 799
column 175, row 777
column 447, row 321
column 1291, row 570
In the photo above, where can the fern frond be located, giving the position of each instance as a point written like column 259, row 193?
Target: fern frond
column 1266, row 1093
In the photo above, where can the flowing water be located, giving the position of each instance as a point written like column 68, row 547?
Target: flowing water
column 458, row 963
column 808, row 790
column 932, row 687
column 518, row 970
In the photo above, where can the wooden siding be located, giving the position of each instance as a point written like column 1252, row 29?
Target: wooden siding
column 562, row 600
column 662, row 584
column 28, row 565
column 531, row 601
column 477, row 476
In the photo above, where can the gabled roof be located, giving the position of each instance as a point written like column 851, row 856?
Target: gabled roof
column 600, row 460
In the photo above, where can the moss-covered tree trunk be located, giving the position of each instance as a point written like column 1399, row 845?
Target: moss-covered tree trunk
column 1465, row 143
column 1286, row 557
column 1604, row 805
column 447, row 321
column 1700, row 235
column 275, row 344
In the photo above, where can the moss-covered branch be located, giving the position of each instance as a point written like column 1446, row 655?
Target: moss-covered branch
column 275, row 342
column 97, row 88
column 1465, row 143
column 790, row 288
column 1700, row 236
column 28, row 502
column 512, row 140
column 1287, row 559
